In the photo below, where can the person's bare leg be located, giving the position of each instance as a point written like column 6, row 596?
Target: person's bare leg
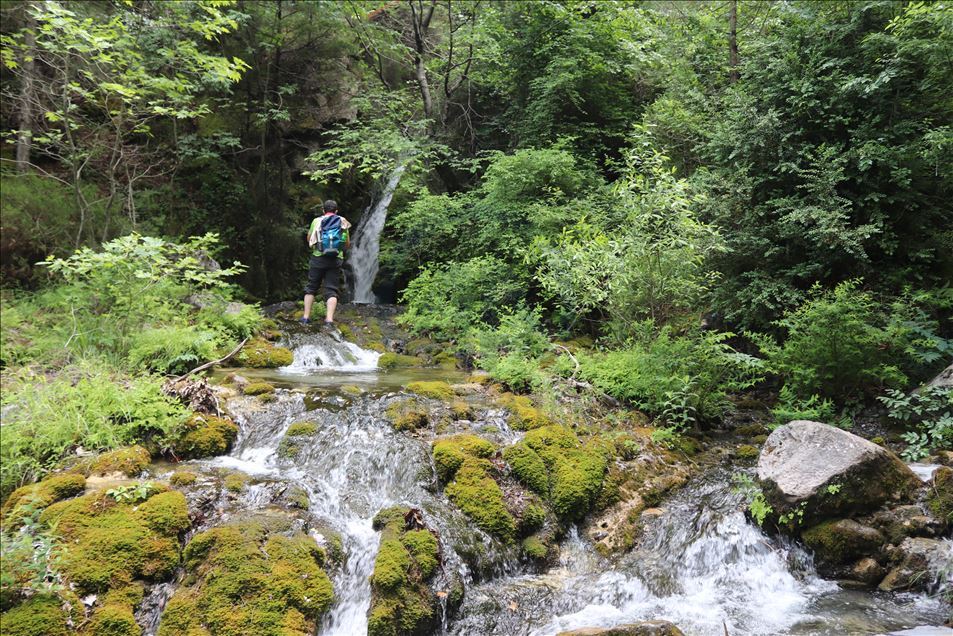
column 308, row 302
column 332, row 305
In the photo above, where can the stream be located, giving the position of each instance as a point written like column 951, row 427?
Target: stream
column 701, row 563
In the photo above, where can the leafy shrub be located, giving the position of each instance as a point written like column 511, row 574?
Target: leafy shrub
column 511, row 350
column 843, row 343
column 46, row 419
column 790, row 408
column 30, row 563
column 447, row 300
column 171, row 349
column 679, row 375
column 235, row 324
column 928, row 415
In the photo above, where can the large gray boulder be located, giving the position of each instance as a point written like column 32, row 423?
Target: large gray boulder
column 642, row 628
column 811, row 471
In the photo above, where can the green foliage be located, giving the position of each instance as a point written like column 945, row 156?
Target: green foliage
column 30, row 561
column 511, row 350
column 446, row 300
column 133, row 493
column 171, row 350
column 645, row 261
column 790, row 408
column 842, row 343
column 92, row 408
column 678, row 376
column 928, row 416
column 758, row 506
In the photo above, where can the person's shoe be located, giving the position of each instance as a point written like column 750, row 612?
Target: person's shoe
column 304, row 321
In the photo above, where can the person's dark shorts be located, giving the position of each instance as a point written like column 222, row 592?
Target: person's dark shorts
column 325, row 268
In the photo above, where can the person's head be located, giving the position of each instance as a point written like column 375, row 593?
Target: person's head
column 330, row 206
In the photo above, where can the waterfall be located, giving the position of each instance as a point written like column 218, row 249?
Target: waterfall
column 366, row 248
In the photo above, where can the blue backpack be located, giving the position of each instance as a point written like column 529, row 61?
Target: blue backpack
column 330, row 234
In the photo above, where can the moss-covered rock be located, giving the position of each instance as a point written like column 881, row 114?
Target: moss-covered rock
column 460, row 410
column 479, row 496
column 747, row 451
column 940, row 499
column 445, row 360
column 302, row 429
column 408, row 415
column 40, row 615
column 554, row 463
column 401, row 601
column 250, row 577
column 205, row 436
column 535, row 548
column 450, row 452
column 107, row 544
column 258, row 388
column 23, row 501
column 391, row 360
column 841, row 540
column 235, row 482
column 183, row 478
column 436, row 389
column 524, row 415
column 261, row 354
column 114, row 619
column 295, row 438
column 129, row 461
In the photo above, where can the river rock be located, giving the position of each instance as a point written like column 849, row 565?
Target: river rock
column 642, row 628
column 920, row 562
column 867, row 571
column 842, row 540
column 944, row 379
column 817, row 471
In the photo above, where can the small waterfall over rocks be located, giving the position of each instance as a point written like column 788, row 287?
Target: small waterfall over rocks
column 327, row 351
column 364, row 253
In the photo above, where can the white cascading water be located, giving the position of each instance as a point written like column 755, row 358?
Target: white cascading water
column 320, row 352
column 363, row 258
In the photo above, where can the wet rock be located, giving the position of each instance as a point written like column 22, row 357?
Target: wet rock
column 642, row 628
column 940, row 498
column 867, row 571
column 816, row 472
column 919, row 563
column 841, row 540
column 907, row 521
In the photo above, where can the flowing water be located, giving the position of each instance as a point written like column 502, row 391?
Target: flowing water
column 364, row 254
column 701, row 564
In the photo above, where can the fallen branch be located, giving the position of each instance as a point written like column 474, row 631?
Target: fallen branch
column 213, row 362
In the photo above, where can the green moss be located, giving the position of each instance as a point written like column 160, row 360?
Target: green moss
column 183, row 478
column 346, row 332
column 461, row 410
column 302, row 429
column 128, row 461
column 235, row 482
column 258, row 388
column 528, row 467
column 535, row 548
column 246, row 578
column 351, row 389
column 407, row 415
column 401, row 602
column 40, row 615
column 376, row 346
column 840, row 541
column 752, row 430
column 205, row 436
column 438, row 390
column 261, row 354
column 478, row 495
column 445, row 360
column 552, row 462
column 523, row 415
column 759, row 439
column 449, row 453
column 106, row 544
column 941, row 494
column 112, row 619
column 26, row 499
column 391, row 360
column 747, row 451
column 167, row 513
column 420, row 345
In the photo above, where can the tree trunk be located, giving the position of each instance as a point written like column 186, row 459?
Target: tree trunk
column 733, row 40
column 25, row 134
column 421, row 21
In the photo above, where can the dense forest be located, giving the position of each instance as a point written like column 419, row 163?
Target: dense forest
column 600, row 207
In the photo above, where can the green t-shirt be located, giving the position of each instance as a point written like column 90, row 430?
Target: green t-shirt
column 345, row 234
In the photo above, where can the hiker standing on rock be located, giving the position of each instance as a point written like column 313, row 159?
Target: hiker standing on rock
column 328, row 237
